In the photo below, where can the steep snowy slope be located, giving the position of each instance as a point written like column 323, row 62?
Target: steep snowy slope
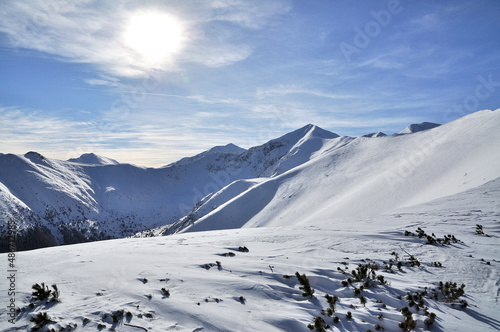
column 92, row 197
column 210, row 285
column 370, row 176
column 239, row 189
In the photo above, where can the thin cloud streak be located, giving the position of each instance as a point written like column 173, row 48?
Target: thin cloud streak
column 58, row 138
column 90, row 32
column 283, row 90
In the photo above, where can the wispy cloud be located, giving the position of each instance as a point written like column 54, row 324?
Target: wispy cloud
column 426, row 22
column 104, row 81
column 245, row 72
column 254, row 14
column 293, row 89
column 146, row 145
column 92, row 32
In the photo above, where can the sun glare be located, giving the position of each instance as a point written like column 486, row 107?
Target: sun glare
column 155, row 36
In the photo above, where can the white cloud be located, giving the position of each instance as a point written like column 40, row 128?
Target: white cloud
column 145, row 141
column 92, row 31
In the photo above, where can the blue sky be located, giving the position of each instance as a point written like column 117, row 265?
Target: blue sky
column 74, row 79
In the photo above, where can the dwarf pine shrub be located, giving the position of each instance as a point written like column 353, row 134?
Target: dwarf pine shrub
column 450, row 291
column 409, row 323
column 55, row 293
column 165, row 292
column 433, row 239
column 41, row 319
column 479, row 229
column 42, row 292
column 332, row 301
column 319, row 325
column 430, row 320
column 306, row 287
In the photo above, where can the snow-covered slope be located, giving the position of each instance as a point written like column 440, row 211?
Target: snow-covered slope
column 308, row 173
column 117, row 284
column 369, row 176
column 379, row 223
column 92, row 198
column 416, row 127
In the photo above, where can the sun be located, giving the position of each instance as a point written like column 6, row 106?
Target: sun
column 154, row 36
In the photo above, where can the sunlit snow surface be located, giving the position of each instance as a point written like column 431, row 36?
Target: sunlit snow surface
column 308, row 202
column 208, row 299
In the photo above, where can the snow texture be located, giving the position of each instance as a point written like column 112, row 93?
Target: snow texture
column 241, row 223
column 249, row 291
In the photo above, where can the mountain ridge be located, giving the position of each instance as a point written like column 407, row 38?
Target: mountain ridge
column 307, row 171
column 417, row 127
column 93, row 159
column 369, row 190
column 92, row 198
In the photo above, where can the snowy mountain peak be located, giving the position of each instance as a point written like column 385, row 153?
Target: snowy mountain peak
column 314, row 131
column 377, row 134
column 93, row 159
column 290, row 150
column 229, row 148
column 416, row 127
column 35, row 157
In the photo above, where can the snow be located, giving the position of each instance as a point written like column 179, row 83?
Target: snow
column 99, row 278
column 223, row 149
column 377, row 134
column 310, row 202
column 92, row 159
column 416, row 127
column 366, row 177
column 77, row 193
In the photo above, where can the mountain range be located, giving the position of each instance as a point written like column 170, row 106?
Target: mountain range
column 309, row 231
column 307, row 174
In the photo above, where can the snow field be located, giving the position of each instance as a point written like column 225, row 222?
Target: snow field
column 208, row 299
